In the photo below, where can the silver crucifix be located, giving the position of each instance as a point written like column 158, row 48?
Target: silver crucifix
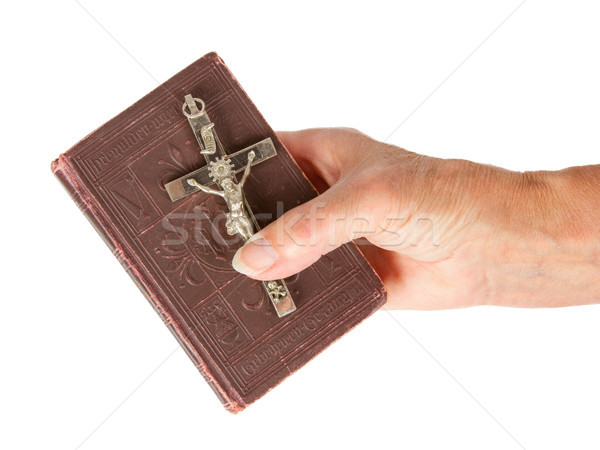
column 221, row 169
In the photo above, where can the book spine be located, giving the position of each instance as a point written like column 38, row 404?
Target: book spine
column 87, row 204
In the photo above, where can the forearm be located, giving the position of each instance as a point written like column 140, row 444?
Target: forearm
column 248, row 166
column 203, row 188
column 549, row 240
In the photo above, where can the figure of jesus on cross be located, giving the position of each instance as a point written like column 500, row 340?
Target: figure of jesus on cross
column 221, row 170
column 237, row 218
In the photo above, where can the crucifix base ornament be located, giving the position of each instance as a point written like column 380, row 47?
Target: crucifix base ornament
column 221, row 170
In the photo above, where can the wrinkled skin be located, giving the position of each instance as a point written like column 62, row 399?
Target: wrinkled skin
column 440, row 233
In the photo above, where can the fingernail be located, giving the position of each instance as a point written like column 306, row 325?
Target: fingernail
column 254, row 257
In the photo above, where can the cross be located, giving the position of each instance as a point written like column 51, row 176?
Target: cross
column 221, row 170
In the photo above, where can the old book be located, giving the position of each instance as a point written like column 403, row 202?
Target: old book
column 222, row 319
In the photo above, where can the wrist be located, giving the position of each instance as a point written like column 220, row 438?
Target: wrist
column 547, row 246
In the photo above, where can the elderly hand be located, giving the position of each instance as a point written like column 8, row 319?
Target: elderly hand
column 440, row 233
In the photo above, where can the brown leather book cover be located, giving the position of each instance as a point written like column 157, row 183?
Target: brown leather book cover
column 223, row 320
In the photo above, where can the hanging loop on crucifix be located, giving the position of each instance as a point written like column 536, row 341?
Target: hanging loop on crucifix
column 221, row 170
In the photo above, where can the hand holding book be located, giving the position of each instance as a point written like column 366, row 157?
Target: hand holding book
column 441, row 233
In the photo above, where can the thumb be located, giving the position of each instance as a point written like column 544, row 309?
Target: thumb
column 299, row 237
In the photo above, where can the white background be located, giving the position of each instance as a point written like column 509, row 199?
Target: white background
column 86, row 363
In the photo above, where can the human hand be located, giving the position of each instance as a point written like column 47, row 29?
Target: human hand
column 440, row 233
